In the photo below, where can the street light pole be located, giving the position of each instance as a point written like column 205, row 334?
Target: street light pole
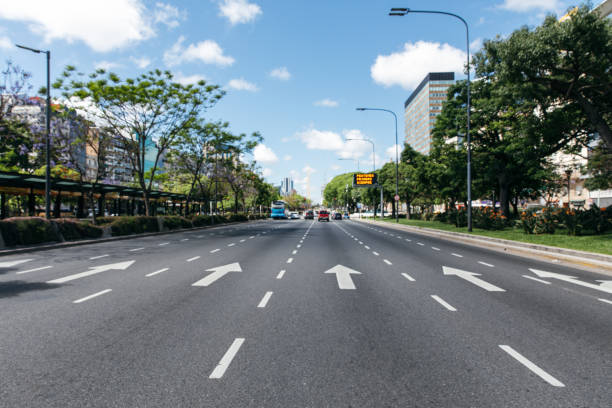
column 373, row 166
column 396, row 157
column 402, row 11
column 47, row 130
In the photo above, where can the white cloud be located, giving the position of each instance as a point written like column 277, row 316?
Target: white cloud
column 327, row 103
column 280, row 73
column 308, row 170
column 167, row 14
column 102, row 25
column 321, row 139
column 188, row 79
column 287, row 157
column 335, row 167
column 408, row 67
column 141, row 62
column 242, row 84
column 208, row 51
column 390, row 152
column 6, row 43
column 239, row 11
column 266, row 172
column 354, row 149
column 264, row 154
column 527, row 5
column 476, row 45
column 106, row 65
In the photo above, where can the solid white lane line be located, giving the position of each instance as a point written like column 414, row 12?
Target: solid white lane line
column 35, row 269
column 227, row 359
column 92, row 296
column 164, row 243
column 387, row 262
column 534, row 368
column 231, row 245
column 156, row 272
column 536, row 279
column 605, row 300
column 435, row 249
column 457, row 255
column 375, row 253
column 443, row 303
column 185, row 239
column 193, row 259
column 136, row 249
column 486, row 264
column 242, row 240
column 280, row 274
column 294, row 252
column 214, row 250
column 420, row 243
column 289, row 260
column 366, row 247
column 264, row 300
column 410, row 278
column 99, row 256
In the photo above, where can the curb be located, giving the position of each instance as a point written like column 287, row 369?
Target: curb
column 67, row 244
column 585, row 260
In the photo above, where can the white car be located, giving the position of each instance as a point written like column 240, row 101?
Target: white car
column 294, row 216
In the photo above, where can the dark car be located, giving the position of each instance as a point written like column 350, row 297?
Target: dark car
column 337, row 216
column 309, row 215
column 323, row 215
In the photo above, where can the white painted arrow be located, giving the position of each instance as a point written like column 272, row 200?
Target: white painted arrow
column 343, row 276
column 93, row 270
column 472, row 278
column 606, row 286
column 218, row 273
column 8, row 264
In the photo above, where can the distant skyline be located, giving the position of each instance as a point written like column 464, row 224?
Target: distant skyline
column 294, row 71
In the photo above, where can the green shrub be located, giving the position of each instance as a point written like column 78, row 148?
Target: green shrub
column 28, row 231
column 105, row 220
column 133, row 225
column 174, row 222
column 238, row 218
column 594, row 220
column 201, row 220
column 9, row 232
column 73, row 229
column 219, row 219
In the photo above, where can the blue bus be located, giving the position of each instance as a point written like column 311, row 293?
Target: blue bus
column 279, row 210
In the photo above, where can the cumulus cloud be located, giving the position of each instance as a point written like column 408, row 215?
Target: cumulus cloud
column 239, row 11
column 522, row 6
column 141, row 62
column 264, row 154
column 167, row 14
column 6, row 43
column 188, row 79
column 208, row 52
column 101, row 25
column 321, row 139
column 408, row 67
column 335, row 167
column 266, row 172
column 390, row 152
column 106, row 65
column 287, row 157
column 280, row 73
column 327, row 103
column 242, row 84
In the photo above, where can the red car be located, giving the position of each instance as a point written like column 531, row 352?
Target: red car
column 323, row 215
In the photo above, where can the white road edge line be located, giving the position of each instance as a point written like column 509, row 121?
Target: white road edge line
column 35, row 269
column 136, row 249
column 92, row 296
column 605, row 300
column 264, row 300
column 486, row 264
column 536, row 279
column 443, row 303
column 156, row 272
column 534, row 368
column 387, row 262
column 99, row 256
column 193, row 259
column 280, row 274
column 227, row 359
column 410, row 278
column 457, row 255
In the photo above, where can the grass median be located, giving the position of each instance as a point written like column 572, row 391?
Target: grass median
column 601, row 244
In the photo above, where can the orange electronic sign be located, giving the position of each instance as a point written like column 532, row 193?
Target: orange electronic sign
column 365, row 180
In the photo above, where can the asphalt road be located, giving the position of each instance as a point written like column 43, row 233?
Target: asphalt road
column 398, row 320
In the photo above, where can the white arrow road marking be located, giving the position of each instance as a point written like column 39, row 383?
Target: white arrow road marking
column 8, row 264
column 227, row 359
column 92, row 296
column 217, row 273
column 534, row 368
column 604, row 287
column 94, row 270
column 264, row 300
column 443, row 303
column 35, row 269
column 343, row 276
column 472, row 278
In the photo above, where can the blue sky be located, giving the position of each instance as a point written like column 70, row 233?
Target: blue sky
column 293, row 70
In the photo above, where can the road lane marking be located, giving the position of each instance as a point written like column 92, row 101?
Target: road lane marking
column 156, row 272
column 360, row 243
column 184, row 239
column 289, row 260
column 214, row 250
column 92, row 296
column 375, row 253
column 199, row 236
column 367, row 247
column 193, row 259
column 536, row 279
column 410, row 278
column 8, row 264
column 164, row 243
column 605, row 300
column 457, row 255
column 409, row 240
column 227, row 359
column 530, row 365
column 387, row 262
column 298, row 246
column 443, row 303
column 242, row 240
column 252, row 236
column 264, row 300
column 486, row 264
column 136, row 249
column 93, row 270
column 231, row 245
column 420, row 243
column 35, row 269
column 99, row 256
column 435, row 249
column 280, row 274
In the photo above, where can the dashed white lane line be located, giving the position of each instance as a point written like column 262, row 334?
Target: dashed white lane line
column 193, row 259
column 164, row 243
column 486, row 264
column 231, row 245
column 420, row 243
column 227, row 359
column 375, row 253
column 242, row 240
column 294, row 252
column 530, row 365
column 409, row 240
column 387, row 262
column 289, row 260
column 605, row 300
column 280, row 274
column 298, row 246
column 410, row 278
column 264, row 300
column 184, row 239
column 92, row 296
column 199, row 236
column 366, row 247
column 360, row 243
column 156, row 272
column 457, row 255
column 443, row 303
column 435, row 248
column 214, row 250
column 35, row 269
column 536, row 279
column 99, row 256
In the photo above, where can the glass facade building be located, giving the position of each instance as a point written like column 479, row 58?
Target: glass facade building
column 422, row 108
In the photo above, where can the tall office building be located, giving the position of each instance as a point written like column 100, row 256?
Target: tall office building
column 286, row 187
column 422, row 107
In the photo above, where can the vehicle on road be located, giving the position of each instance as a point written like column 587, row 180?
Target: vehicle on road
column 294, row 216
column 279, row 210
column 323, row 216
column 309, row 215
column 346, row 216
column 337, row 216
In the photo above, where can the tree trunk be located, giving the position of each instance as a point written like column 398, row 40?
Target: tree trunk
column 504, row 193
column 514, row 203
column 408, row 210
column 145, row 196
